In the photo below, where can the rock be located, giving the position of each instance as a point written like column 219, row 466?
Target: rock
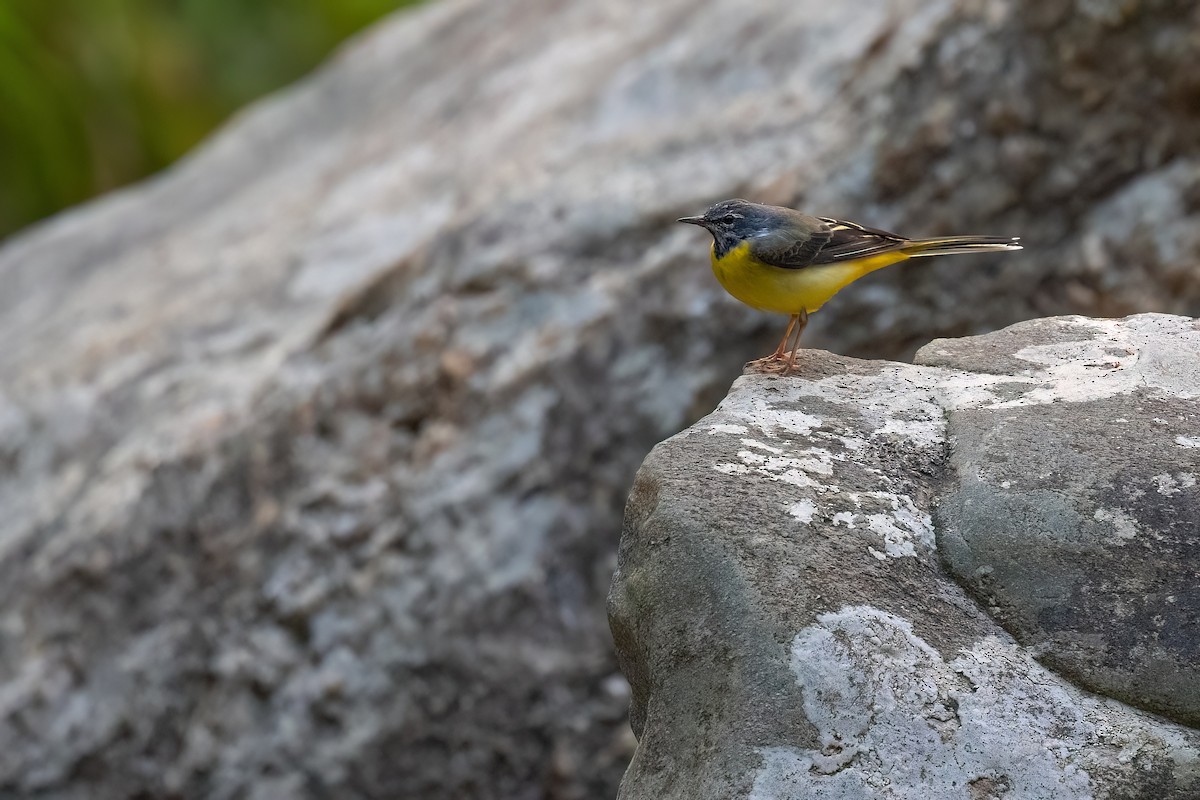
column 787, row 605
column 1075, row 512
column 313, row 449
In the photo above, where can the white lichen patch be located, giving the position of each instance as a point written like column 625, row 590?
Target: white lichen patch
column 926, row 431
column 755, row 443
column 1122, row 356
column 908, row 401
column 896, row 541
column 804, row 510
column 904, row 530
column 1125, row 526
column 903, row 526
column 900, row 400
column 759, row 412
column 737, row 430
column 1169, row 485
column 1125, row 355
column 806, row 467
column 896, row 721
column 844, row 518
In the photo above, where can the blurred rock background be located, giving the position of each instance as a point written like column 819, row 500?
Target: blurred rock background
column 313, row 447
column 99, row 93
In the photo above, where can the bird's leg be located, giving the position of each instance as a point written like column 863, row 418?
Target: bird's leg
column 802, row 319
column 779, row 351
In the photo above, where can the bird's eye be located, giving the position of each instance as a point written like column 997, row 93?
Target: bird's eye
column 728, row 219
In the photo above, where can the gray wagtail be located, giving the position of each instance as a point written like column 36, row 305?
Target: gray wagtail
column 777, row 259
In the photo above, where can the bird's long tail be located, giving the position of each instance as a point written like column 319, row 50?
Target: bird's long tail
column 951, row 245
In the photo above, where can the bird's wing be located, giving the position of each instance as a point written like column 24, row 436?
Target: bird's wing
column 850, row 240
column 794, row 244
column 822, row 240
column 807, row 241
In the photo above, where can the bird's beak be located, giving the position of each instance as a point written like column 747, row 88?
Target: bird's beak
column 692, row 220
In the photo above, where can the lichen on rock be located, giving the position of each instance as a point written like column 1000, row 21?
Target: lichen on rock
column 913, row 581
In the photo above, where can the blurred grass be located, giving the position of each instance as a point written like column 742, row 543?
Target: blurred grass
column 98, row 93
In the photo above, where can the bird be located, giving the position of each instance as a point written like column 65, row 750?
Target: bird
column 779, row 260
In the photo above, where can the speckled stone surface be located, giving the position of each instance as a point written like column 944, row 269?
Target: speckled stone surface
column 811, row 604
column 1073, row 510
column 313, row 448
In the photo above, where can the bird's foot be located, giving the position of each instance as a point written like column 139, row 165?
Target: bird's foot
column 776, row 363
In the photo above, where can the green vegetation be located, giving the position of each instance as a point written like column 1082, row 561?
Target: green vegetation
column 97, row 93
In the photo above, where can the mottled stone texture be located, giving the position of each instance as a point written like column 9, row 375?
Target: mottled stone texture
column 879, row 580
column 313, row 449
column 1077, row 522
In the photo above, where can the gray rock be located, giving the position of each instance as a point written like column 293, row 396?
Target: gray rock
column 789, row 630
column 313, row 449
column 1075, row 512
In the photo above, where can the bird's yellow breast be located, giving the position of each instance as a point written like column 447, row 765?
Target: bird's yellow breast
column 790, row 291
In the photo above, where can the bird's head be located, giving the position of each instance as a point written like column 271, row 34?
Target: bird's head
column 733, row 221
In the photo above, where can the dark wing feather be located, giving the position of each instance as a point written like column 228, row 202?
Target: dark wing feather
column 849, row 240
column 794, row 245
column 805, row 241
